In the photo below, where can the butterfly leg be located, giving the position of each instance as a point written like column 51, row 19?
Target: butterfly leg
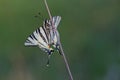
column 48, row 62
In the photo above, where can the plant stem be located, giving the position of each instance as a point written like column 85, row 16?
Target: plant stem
column 48, row 10
column 61, row 49
column 65, row 61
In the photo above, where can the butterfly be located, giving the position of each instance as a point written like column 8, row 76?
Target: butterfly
column 46, row 37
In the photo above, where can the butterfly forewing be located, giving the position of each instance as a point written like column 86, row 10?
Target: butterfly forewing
column 43, row 34
column 30, row 41
column 37, row 38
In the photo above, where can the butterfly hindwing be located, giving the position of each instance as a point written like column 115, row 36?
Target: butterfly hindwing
column 56, row 21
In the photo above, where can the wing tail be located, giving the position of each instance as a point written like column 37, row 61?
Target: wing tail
column 56, row 21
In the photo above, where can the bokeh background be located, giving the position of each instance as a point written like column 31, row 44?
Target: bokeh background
column 89, row 31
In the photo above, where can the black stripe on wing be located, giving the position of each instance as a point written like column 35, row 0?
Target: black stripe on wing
column 31, row 40
column 46, row 27
column 33, row 37
column 41, row 35
column 45, row 33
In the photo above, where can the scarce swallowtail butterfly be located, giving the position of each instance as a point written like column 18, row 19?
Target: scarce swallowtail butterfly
column 45, row 37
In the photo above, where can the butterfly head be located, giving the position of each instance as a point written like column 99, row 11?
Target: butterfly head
column 51, row 51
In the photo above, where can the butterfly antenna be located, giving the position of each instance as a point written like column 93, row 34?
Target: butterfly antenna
column 39, row 15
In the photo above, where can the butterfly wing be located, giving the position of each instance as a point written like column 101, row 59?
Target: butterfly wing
column 56, row 38
column 38, row 38
column 56, row 20
column 47, row 26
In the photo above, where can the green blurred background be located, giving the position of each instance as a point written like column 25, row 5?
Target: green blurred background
column 89, row 31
